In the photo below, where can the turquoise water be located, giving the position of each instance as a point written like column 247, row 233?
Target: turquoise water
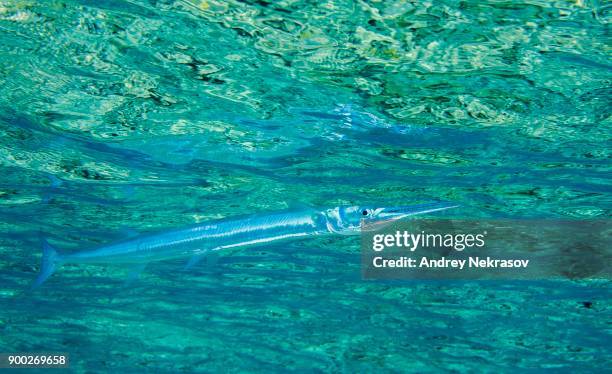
column 145, row 115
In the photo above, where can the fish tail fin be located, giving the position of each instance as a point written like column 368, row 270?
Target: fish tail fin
column 50, row 261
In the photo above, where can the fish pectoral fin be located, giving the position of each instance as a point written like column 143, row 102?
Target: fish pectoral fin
column 210, row 258
column 135, row 273
column 193, row 261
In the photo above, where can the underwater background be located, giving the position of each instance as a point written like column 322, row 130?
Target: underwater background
column 145, row 115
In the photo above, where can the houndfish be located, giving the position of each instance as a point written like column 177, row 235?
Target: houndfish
column 197, row 241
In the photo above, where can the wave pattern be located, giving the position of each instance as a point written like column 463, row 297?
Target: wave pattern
column 157, row 113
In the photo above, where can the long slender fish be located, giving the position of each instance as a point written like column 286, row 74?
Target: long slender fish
column 196, row 241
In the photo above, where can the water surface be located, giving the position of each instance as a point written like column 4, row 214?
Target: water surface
column 143, row 115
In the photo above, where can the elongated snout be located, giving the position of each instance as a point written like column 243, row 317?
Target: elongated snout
column 395, row 213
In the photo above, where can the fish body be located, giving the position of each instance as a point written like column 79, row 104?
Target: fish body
column 198, row 240
column 206, row 237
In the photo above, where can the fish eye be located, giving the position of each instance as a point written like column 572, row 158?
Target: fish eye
column 365, row 212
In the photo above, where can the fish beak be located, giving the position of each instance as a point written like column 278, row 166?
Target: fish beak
column 395, row 213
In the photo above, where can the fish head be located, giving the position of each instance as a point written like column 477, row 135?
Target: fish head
column 349, row 220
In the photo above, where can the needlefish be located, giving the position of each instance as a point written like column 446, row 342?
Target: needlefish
column 199, row 240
